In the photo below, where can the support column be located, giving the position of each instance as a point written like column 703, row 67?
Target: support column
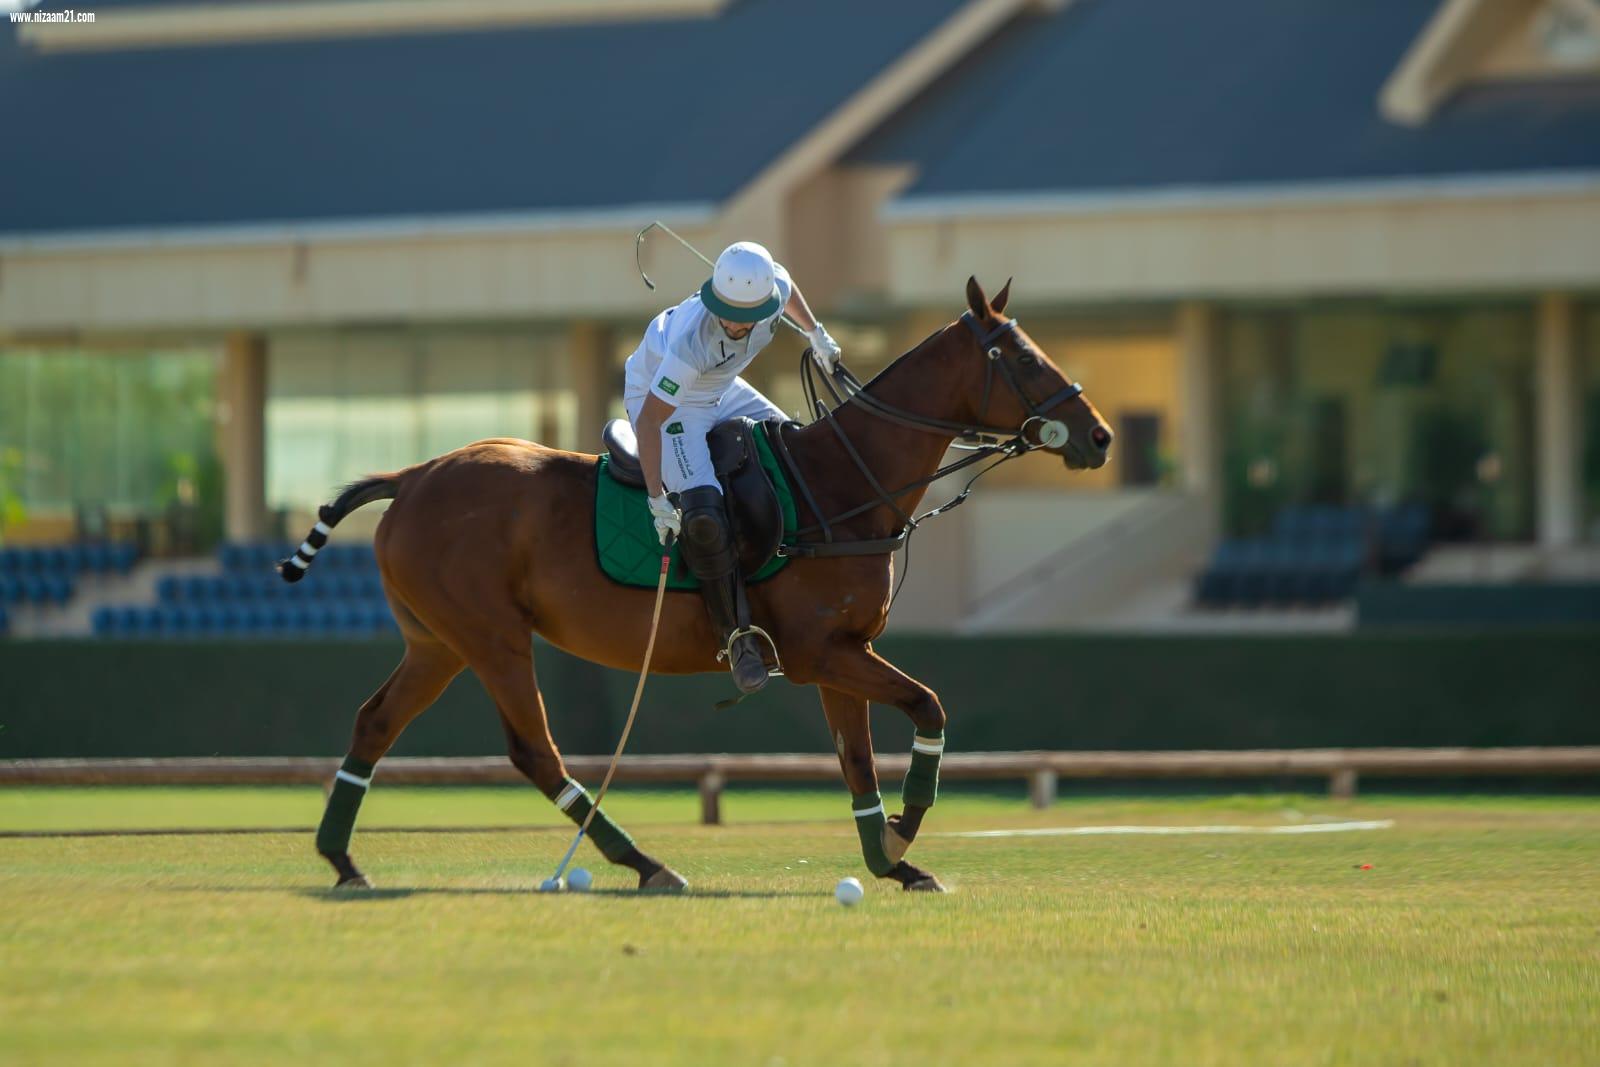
column 589, row 348
column 1557, row 461
column 1200, row 386
column 241, row 418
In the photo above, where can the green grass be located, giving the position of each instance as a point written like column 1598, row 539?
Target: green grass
column 1474, row 937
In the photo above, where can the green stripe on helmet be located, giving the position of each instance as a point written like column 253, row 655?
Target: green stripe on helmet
column 733, row 312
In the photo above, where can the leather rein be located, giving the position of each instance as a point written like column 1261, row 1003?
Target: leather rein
column 983, row 441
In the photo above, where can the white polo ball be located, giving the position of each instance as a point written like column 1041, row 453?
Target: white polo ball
column 551, row 885
column 579, row 880
column 849, row 892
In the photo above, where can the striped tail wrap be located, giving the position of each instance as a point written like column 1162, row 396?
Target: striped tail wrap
column 294, row 568
column 381, row 487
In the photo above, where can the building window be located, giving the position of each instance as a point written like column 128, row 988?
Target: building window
column 345, row 404
column 1378, row 405
column 124, row 432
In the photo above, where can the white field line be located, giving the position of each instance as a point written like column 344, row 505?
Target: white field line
column 1102, row 831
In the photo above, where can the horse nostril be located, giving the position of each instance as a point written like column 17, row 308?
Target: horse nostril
column 1101, row 437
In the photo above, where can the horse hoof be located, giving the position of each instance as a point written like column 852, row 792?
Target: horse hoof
column 914, row 879
column 894, row 846
column 666, row 880
column 355, row 881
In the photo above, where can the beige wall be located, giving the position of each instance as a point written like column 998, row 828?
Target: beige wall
column 323, row 278
column 1339, row 243
column 835, row 240
column 1315, row 244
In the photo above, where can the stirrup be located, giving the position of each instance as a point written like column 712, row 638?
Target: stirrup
column 752, row 631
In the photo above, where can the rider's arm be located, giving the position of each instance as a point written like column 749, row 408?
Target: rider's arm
column 824, row 349
column 675, row 375
column 800, row 311
column 652, row 417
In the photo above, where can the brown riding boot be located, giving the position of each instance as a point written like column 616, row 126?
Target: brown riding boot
column 709, row 549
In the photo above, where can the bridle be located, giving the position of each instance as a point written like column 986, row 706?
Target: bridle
column 1052, row 433
column 981, row 439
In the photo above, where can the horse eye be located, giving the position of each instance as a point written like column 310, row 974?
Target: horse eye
column 1026, row 357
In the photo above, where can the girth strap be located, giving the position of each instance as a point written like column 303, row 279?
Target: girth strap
column 878, row 546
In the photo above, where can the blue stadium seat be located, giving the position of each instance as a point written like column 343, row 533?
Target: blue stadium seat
column 344, row 595
column 1402, row 536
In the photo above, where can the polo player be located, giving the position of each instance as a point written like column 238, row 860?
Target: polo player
column 681, row 381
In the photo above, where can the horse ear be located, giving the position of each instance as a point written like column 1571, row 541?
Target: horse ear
column 976, row 300
column 1000, row 298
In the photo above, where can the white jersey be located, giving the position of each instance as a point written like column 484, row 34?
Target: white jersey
column 688, row 360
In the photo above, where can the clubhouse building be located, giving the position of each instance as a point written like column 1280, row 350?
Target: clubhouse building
column 1297, row 253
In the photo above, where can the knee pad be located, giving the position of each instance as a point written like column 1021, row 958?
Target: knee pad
column 707, row 535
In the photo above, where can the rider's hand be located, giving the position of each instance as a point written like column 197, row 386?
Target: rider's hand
column 665, row 516
column 824, row 349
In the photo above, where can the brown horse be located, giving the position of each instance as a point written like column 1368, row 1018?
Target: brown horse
column 487, row 543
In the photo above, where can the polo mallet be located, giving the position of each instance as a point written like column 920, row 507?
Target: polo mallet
column 644, row 672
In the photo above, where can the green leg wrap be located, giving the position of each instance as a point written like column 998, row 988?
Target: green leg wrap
column 339, row 817
column 869, row 825
column 608, row 837
column 921, row 786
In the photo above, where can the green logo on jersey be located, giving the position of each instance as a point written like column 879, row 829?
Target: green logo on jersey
column 674, row 427
column 668, row 386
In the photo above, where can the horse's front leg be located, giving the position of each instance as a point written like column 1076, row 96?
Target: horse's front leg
column 881, row 846
column 860, row 671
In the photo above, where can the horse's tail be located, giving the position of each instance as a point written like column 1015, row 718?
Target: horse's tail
column 352, row 496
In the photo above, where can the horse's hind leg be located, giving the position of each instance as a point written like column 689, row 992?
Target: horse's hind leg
column 422, row 675
column 508, row 675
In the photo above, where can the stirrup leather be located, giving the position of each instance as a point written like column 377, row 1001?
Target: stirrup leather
column 752, row 631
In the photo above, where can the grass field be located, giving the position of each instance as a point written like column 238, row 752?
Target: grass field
column 1474, row 936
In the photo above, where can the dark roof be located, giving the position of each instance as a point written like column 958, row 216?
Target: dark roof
column 1142, row 94
column 508, row 120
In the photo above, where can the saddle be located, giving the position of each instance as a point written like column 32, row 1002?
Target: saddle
column 754, row 507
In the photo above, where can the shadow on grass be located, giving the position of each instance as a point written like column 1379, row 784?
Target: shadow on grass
column 345, row 896
column 357, row 896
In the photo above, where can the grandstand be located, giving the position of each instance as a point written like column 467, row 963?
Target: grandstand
column 247, row 599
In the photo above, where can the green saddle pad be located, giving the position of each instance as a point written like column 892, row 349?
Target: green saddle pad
column 625, row 538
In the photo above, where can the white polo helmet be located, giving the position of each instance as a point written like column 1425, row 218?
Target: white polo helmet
column 742, row 286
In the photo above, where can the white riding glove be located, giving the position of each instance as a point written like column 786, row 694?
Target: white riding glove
column 665, row 516
column 824, row 349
